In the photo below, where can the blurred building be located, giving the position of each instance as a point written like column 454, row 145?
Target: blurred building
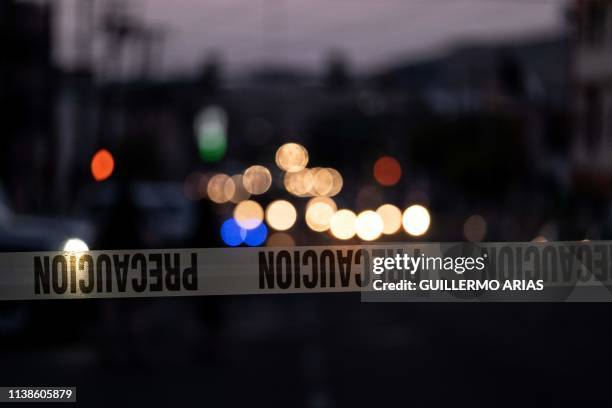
column 478, row 77
column 591, row 28
column 27, row 92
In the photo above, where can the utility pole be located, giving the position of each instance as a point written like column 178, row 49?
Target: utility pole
column 84, row 34
column 151, row 39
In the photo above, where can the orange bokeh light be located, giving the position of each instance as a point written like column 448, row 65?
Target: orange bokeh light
column 387, row 171
column 102, row 165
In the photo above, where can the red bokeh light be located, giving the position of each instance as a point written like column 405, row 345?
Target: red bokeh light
column 387, row 171
column 102, row 165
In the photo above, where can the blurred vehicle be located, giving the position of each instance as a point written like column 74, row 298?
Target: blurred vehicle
column 37, row 233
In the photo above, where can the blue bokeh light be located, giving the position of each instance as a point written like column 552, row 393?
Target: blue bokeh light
column 257, row 236
column 232, row 234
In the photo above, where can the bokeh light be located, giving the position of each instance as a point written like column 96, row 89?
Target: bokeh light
column 281, row 215
column 318, row 181
column 326, row 200
column 216, row 188
column 475, row 228
column 75, row 245
column 342, row 224
column 229, row 188
column 102, row 165
column 337, row 184
column 291, row 157
column 280, row 239
column 234, row 189
column 323, row 181
column 211, row 133
column 319, row 212
column 248, row 214
column 369, row 225
column 256, row 236
column 387, row 171
column 257, row 179
column 300, row 183
column 416, row 220
column 231, row 233
column 391, row 217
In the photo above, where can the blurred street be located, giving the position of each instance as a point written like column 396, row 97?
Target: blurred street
column 325, row 351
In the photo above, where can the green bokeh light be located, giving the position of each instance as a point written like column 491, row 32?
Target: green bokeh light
column 212, row 144
column 211, row 135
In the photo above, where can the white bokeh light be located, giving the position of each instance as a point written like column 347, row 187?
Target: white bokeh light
column 75, row 245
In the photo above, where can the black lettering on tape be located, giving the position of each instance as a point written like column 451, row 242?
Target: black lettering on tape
column 121, row 270
column 73, row 278
column 59, row 268
column 173, row 273
column 41, row 275
column 156, row 273
column 190, row 275
column 327, row 257
column 310, row 257
column 344, row 267
column 286, row 282
column 362, row 257
column 104, row 263
column 266, row 270
column 296, row 269
column 86, row 260
column 140, row 285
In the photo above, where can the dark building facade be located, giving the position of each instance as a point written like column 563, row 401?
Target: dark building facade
column 27, row 92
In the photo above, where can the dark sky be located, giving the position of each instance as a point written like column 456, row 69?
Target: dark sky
column 300, row 32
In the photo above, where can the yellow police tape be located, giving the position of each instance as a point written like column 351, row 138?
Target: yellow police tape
column 557, row 271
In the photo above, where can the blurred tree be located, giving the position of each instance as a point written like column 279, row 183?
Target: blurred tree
column 337, row 71
column 211, row 73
